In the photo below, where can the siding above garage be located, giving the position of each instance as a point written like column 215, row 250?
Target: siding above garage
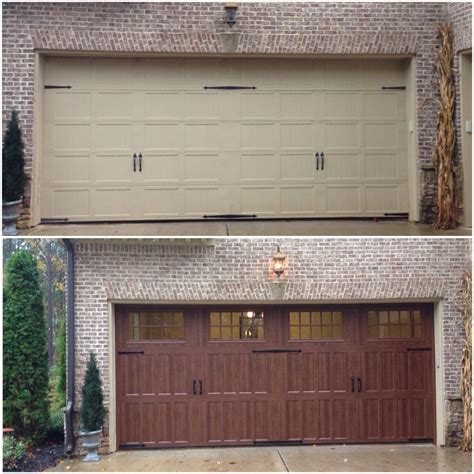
column 199, row 28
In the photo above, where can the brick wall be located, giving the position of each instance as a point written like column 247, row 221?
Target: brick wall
column 322, row 270
column 269, row 28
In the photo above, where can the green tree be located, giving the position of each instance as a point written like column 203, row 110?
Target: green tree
column 92, row 410
column 13, row 161
column 25, row 358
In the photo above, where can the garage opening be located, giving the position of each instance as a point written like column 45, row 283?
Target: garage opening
column 184, row 138
column 215, row 376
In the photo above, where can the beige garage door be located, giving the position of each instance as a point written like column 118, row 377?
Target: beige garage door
column 160, row 139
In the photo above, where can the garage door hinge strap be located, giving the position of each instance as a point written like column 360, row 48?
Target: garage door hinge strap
column 277, row 350
column 394, row 88
column 411, row 349
column 230, row 88
column 131, row 352
column 49, row 86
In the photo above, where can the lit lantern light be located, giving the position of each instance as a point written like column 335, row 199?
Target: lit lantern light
column 278, row 262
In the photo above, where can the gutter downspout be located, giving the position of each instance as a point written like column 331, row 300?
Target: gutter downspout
column 69, row 410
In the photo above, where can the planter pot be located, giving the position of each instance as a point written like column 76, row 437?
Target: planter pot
column 10, row 213
column 91, row 443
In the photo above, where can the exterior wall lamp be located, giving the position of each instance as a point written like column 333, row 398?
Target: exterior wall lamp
column 278, row 262
column 230, row 13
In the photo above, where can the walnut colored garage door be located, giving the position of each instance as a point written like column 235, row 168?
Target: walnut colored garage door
column 245, row 376
column 144, row 138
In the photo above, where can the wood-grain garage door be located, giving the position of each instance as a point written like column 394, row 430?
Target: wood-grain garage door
column 244, row 376
column 161, row 139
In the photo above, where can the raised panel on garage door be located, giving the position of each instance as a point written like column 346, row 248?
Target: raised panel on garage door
column 205, row 151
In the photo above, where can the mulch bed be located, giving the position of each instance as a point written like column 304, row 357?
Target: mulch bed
column 40, row 458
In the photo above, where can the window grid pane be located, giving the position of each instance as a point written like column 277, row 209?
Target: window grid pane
column 235, row 326
column 394, row 324
column 156, row 326
column 313, row 325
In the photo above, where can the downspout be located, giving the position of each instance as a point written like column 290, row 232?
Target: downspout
column 69, row 410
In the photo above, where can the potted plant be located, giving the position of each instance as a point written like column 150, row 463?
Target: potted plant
column 14, row 178
column 92, row 410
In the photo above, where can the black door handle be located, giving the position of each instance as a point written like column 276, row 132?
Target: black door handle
column 359, row 385
column 352, row 384
column 322, row 160
column 134, row 159
column 200, row 387
column 317, row 161
column 194, row 387
column 140, row 162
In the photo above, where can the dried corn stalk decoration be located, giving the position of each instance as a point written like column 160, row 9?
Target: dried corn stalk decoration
column 443, row 153
column 466, row 371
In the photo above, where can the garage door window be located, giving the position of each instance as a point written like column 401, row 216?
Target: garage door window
column 316, row 325
column 394, row 324
column 236, row 325
column 155, row 326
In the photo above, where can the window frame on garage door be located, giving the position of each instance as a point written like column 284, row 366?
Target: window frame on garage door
column 413, row 185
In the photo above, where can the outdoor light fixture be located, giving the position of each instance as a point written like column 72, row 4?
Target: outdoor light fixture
column 230, row 12
column 278, row 262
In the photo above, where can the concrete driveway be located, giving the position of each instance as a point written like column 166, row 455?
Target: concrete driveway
column 244, row 228
column 387, row 457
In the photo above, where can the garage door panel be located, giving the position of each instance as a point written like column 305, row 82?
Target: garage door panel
column 69, row 106
column 159, row 107
column 163, row 105
column 340, row 105
column 200, row 201
column 111, row 168
column 383, row 106
column 112, row 202
column 341, row 136
column 114, row 136
column 113, row 105
column 163, row 136
column 382, row 198
column 259, row 199
column 72, row 137
column 297, row 200
column 68, row 71
column 115, row 72
column 261, row 105
column 201, row 136
column 343, row 199
column 60, row 203
column 71, row 169
column 259, row 135
column 381, row 166
column 261, row 166
column 342, row 166
column 296, row 166
column 161, row 168
column 161, row 202
column 297, row 105
column 296, row 136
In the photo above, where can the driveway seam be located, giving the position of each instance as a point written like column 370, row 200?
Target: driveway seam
column 282, row 460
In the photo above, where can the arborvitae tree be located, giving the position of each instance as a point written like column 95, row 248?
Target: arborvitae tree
column 25, row 358
column 92, row 407
column 13, row 161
